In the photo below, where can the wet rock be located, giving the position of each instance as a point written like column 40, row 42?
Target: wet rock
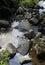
column 35, row 11
column 35, row 28
column 38, row 6
column 2, row 29
column 38, row 35
column 24, row 46
column 28, row 63
column 11, row 49
column 24, row 25
column 42, row 39
column 26, row 9
column 20, row 10
column 41, row 29
column 31, row 10
column 34, row 21
column 4, row 24
column 19, row 17
column 28, row 15
column 36, row 15
column 39, row 48
column 25, row 59
column 30, row 34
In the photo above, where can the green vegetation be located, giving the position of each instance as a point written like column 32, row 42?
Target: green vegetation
column 5, row 56
column 40, row 43
column 23, row 2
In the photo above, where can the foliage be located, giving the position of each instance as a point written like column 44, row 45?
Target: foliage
column 23, row 2
column 5, row 56
column 40, row 43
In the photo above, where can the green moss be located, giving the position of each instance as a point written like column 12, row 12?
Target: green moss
column 5, row 56
column 3, row 63
column 40, row 43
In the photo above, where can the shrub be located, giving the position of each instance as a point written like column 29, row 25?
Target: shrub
column 5, row 56
column 23, row 2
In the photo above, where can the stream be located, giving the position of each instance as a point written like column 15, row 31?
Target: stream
column 15, row 37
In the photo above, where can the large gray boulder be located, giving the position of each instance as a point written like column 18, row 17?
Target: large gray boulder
column 24, row 46
column 11, row 50
column 24, row 25
column 20, row 10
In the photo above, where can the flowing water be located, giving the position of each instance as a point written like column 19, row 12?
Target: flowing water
column 14, row 37
column 15, row 60
column 41, row 4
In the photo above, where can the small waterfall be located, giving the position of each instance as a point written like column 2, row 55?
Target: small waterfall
column 41, row 4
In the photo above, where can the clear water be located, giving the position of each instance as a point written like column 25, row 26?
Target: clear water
column 15, row 60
